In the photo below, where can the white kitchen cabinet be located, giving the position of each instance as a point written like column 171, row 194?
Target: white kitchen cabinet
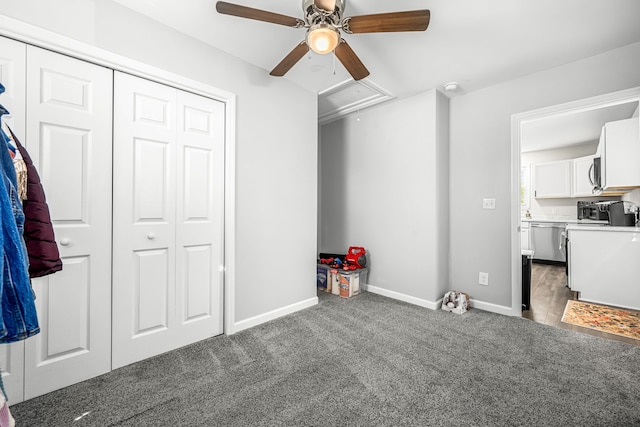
column 620, row 154
column 582, row 186
column 552, row 179
column 525, row 239
column 603, row 265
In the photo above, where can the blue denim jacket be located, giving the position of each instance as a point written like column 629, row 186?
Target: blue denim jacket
column 18, row 317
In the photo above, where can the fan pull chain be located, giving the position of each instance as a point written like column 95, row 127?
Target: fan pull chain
column 334, row 62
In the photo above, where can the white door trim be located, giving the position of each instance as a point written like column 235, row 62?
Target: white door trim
column 36, row 36
column 517, row 120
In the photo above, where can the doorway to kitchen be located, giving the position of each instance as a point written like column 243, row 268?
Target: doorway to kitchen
column 550, row 148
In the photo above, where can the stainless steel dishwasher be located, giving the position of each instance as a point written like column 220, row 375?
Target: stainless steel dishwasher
column 548, row 241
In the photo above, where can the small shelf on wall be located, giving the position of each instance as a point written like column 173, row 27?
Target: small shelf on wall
column 347, row 97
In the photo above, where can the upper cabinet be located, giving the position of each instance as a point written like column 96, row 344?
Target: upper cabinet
column 619, row 149
column 619, row 153
column 552, row 179
column 582, row 184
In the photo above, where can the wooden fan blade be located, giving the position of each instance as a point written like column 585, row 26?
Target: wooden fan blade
column 328, row 5
column 414, row 20
column 257, row 14
column 350, row 60
column 290, row 60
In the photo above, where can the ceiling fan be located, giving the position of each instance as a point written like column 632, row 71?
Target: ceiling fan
column 323, row 21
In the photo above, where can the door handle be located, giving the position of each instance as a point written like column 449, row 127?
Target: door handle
column 151, row 236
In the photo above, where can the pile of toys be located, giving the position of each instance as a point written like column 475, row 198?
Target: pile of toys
column 340, row 274
column 355, row 258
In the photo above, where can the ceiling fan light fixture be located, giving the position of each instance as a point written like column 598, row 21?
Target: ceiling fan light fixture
column 323, row 38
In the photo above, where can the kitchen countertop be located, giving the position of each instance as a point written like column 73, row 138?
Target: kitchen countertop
column 583, row 224
column 604, row 227
column 565, row 220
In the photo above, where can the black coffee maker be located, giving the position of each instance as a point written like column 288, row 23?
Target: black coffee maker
column 620, row 216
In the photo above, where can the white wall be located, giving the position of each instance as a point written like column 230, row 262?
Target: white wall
column 632, row 196
column 481, row 160
column 384, row 186
column 276, row 157
column 563, row 153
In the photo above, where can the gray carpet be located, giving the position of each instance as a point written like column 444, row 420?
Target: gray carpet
column 366, row 361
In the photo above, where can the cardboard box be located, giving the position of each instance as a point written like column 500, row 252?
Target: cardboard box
column 345, row 283
column 349, row 283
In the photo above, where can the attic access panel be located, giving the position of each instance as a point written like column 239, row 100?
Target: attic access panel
column 347, row 97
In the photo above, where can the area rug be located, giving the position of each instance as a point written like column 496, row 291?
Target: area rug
column 612, row 320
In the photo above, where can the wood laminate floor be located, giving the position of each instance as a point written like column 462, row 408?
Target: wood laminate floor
column 549, row 296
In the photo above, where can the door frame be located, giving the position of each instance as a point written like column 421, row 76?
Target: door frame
column 517, row 120
column 40, row 37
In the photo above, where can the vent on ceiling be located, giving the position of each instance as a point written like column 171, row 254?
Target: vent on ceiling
column 347, row 97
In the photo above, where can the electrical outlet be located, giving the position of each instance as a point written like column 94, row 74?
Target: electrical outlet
column 483, row 278
column 488, row 203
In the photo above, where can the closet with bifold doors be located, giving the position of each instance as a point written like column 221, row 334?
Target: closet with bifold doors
column 133, row 172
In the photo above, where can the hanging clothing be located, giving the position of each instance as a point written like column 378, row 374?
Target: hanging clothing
column 18, row 317
column 18, row 162
column 44, row 257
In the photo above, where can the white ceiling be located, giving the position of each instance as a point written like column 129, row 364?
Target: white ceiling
column 476, row 43
column 577, row 128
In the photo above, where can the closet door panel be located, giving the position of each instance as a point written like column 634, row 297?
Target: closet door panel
column 68, row 331
column 12, row 365
column 200, row 210
column 12, row 76
column 197, row 304
column 66, row 171
column 151, row 292
column 144, row 219
column 69, row 139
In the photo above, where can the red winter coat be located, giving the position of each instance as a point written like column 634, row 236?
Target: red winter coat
column 44, row 257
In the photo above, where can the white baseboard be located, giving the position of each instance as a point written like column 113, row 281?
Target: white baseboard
column 494, row 308
column 433, row 305
column 271, row 315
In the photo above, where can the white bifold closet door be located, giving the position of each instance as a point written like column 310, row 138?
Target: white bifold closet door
column 168, row 218
column 68, row 135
